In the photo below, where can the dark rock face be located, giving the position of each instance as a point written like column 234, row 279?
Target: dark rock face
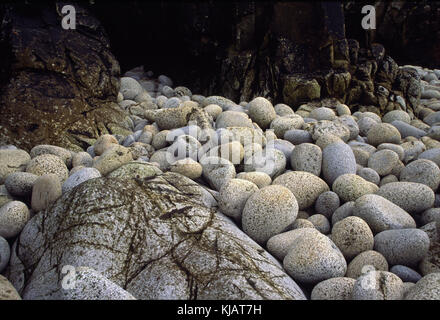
column 411, row 29
column 59, row 85
column 291, row 52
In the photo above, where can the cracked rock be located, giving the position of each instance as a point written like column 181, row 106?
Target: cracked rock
column 152, row 237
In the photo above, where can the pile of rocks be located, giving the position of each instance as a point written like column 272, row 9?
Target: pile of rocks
column 347, row 203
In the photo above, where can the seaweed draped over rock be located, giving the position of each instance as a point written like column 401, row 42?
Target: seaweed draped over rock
column 153, row 237
column 57, row 86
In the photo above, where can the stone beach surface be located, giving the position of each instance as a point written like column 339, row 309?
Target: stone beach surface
column 209, row 198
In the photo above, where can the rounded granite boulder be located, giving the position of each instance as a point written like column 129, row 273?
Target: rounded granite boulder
column 269, row 211
column 304, row 185
column 313, row 258
column 352, row 236
column 410, row 196
column 233, row 196
column 350, row 187
column 402, row 246
column 339, row 288
column 382, row 214
column 337, row 159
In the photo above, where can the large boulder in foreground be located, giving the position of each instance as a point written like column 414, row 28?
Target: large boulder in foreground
column 57, row 86
column 154, row 237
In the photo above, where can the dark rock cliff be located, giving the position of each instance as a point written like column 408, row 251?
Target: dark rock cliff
column 59, row 86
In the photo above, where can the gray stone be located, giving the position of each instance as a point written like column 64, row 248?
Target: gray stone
column 327, row 203
column 247, row 136
column 233, row 119
column 313, row 258
column 7, row 290
column 145, row 137
column 46, row 190
column 298, row 136
column 213, row 110
column 233, row 196
column 160, row 140
column 351, row 124
column 12, row 161
column 13, row 217
column 432, row 118
column 281, row 125
column 407, row 130
column 185, row 146
column 130, row 88
column 282, row 145
column 305, row 186
column 430, row 215
column 79, row 177
column 393, row 147
column 301, row 223
column 174, row 242
column 363, row 146
column 344, row 211
column 326, row 140
column 5, row 197
column 5, row 253
column 402, row 246
column 365, row 124
column 307, row 157
column 112, row 159
column 217, row 171
column 128, row 140
column 325, row 127
column 410, row 196
column 383, row 161
column 339, row 288
column 279, row 244
column 434, row 133
column 187, row 167
column 20, row 184
column 399, row 115
column 320, row 222
column 369, row 175
column 412, row 150
column 91, row 285
column 269, row 211
column 405, row 273
column 262, row 112
column 388, row 179
column 350, row 187
column 61, row 153
column 361, row 156
column 365, row 261
column 270, row 161
column 352, row 236
column 337, row 159
column 422, row 171
column 378, row 285
column 370, row 115
column 48, row 164
column 381, row 214
column 134, row 169
column 260, row 179
column 383, row 133
column 322, row 113
column 161, row 158
column 82, row 159
column 426, row 288
column 282, row 109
